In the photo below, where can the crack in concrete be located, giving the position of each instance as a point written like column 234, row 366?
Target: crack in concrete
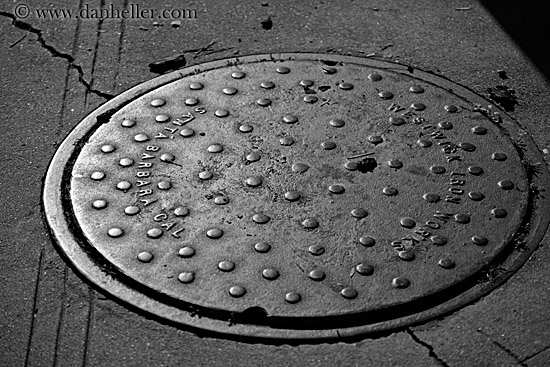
column 431, row 351
column 55, row 53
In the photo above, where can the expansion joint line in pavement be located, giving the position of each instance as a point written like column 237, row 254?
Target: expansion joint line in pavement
column 535, row 354
column 503, row 348
column 55, row 53
column 431, row 351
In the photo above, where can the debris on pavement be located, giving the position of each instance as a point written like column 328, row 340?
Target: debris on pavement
column 267, row 23
column 178, row 61
column 503, row 96
column 502, row 74
column 168, row 64
column 208, row 50
column 19, row 40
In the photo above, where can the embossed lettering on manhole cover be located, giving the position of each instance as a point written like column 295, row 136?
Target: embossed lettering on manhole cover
column 307, row 196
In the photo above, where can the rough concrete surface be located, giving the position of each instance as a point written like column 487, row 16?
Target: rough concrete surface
column 53, row 72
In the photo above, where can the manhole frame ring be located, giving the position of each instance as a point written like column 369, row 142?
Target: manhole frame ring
column 83, row 264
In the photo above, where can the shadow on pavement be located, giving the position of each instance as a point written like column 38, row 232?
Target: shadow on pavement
column 528, row 25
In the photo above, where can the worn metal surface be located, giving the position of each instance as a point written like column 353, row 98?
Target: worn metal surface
column 300, row 196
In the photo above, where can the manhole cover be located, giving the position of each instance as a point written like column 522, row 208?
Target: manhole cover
column 302, row 196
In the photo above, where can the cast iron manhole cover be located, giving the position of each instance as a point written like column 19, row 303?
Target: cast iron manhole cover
column 302, row 196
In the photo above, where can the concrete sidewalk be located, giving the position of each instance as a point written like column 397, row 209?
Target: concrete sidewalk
column 56, row 71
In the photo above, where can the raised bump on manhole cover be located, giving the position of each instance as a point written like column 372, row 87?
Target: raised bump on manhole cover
column 248, row 207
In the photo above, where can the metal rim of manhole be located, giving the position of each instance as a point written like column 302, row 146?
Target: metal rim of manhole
column 297, row 196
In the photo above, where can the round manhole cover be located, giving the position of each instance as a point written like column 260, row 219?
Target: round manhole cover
column 303, row 196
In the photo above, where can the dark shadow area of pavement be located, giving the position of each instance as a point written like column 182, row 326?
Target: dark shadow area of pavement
column 526, row 22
